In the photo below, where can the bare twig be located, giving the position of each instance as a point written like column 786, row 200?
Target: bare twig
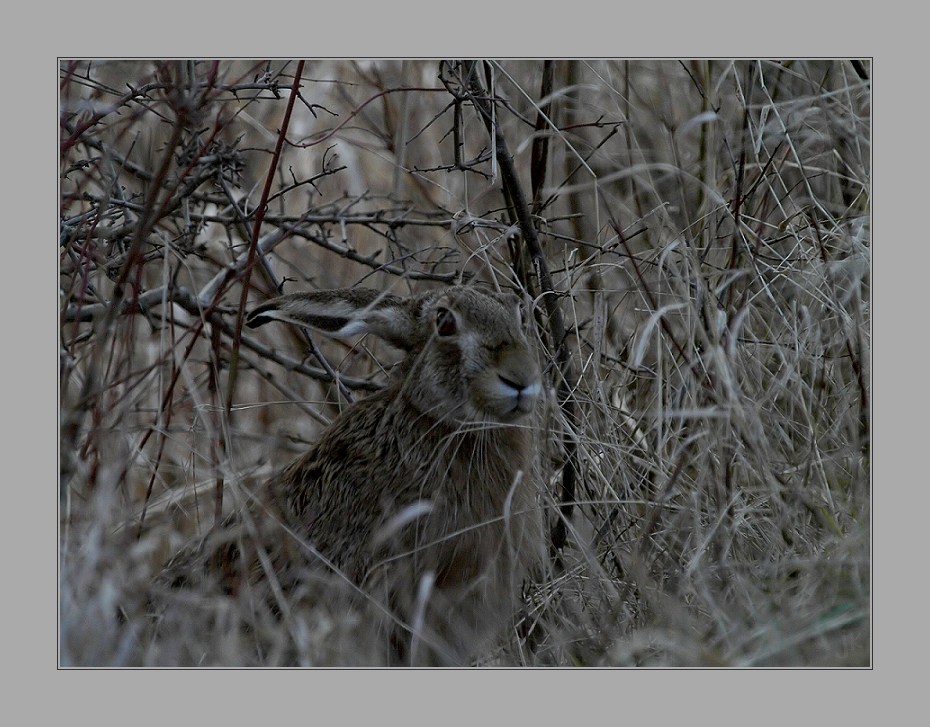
column 249, row 264
column 476, row 94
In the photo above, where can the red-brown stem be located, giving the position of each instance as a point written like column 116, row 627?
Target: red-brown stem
column 250, row 262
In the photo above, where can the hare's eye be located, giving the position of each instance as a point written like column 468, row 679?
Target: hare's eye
column 445, row 322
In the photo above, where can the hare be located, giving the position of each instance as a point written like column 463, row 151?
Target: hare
column 423, row 493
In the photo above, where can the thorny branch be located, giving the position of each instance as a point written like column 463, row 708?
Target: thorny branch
column 472, row 88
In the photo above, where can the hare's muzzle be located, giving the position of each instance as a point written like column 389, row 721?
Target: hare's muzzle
column 517, row 396
column 523, row 394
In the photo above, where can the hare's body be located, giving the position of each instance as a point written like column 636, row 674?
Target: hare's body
column 464, row 484
column 423, row 493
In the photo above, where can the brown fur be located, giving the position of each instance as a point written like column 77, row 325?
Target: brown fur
column 423, row 493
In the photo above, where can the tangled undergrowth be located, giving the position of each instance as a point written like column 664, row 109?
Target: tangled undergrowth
column 694, row 237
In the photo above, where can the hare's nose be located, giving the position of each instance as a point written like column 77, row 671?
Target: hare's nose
column 515, row 385
column 521, row 391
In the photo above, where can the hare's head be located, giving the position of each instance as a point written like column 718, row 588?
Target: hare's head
column 468, row 359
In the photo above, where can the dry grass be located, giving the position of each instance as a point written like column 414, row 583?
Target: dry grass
column 707, row 225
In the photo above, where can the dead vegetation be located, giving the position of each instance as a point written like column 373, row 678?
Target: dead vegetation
column 695, row 236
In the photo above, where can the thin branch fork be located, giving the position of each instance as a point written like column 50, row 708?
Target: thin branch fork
column 521, row 209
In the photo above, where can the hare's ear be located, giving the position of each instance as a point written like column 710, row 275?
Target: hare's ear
column 343, row 312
